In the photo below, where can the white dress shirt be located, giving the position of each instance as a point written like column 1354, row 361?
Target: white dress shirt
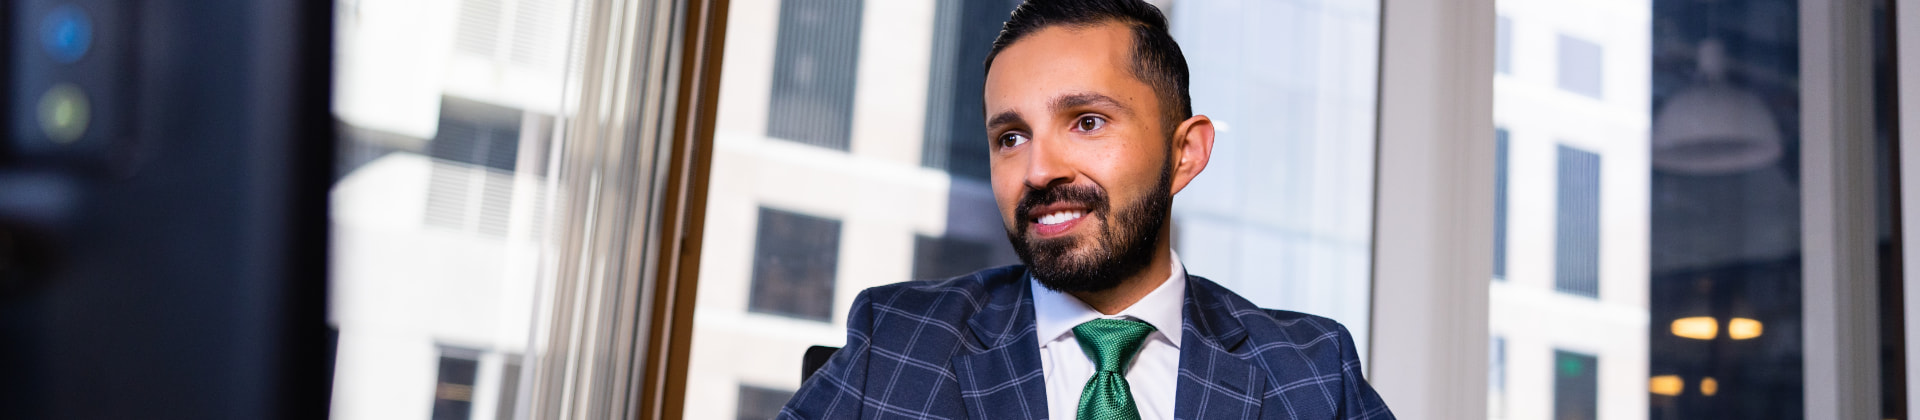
column 1151, row 375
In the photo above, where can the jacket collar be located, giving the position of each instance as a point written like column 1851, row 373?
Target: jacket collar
column 1217, row 376
column 1209, row 314
column 999, row 370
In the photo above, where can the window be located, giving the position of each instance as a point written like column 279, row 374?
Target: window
column 453, row 393
column 814, row 69
column 439, row 212
column 1647, row 244
column 1497, row 378
column 1577, row 228
column 1503, row 45
column 1499, row 204
column 1283, row 215
column 476, row 133
column 1576, row 386
column 1580, row 66
column 509, row 388
column 955, row 139
column 795, row 258
column 757, row 403
column 939, row 258
column 470, row 186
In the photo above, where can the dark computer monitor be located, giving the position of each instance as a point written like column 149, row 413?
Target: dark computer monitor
column 164, row 167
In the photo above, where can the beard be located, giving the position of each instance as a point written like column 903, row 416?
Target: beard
column 1123, row 247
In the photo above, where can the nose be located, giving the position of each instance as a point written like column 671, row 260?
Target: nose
column 1047, row 164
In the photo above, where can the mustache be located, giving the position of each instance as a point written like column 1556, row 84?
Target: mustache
column 1093, row 198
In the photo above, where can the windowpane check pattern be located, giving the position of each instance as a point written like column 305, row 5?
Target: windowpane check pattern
column 1577, row 229
column 813, row 76
column 795, row 260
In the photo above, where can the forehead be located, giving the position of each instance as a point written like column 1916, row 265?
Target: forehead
column 1061, row 58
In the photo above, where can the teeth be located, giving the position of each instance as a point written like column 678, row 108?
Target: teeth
column 1058, row 218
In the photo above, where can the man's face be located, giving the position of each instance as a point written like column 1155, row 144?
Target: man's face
column 1081, row 163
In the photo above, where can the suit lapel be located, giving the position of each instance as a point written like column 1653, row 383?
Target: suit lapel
column 999, row 371
column 1215, row 382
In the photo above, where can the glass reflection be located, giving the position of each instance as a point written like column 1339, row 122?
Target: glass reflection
column 850, row 152
column 1726, row 209
column 440, row 218
column 1668, row 129
column 1569, row 302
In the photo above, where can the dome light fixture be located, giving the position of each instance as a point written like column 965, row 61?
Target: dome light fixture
column 1714, row 128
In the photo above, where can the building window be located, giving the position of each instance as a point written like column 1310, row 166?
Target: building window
column 1576, row 386
column 1497, row 378
column 453, row 393
column 509, row 388
column 795, row 257
column 758, row 403
column 1500, row 204
column 944, row 257
column 474, row 153
column 814, row 63
column 1503, row 45
column 1577, row 228
column 1580, row 66
column 963, row 33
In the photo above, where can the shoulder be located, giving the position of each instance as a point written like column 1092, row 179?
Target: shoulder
column 1319, row 338
column 1299, row 329
column 944, row 305
column 972, row 290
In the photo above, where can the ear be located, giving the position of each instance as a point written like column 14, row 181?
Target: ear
column 1192, row 147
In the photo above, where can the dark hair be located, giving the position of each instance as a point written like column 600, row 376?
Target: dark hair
column 1156, row 57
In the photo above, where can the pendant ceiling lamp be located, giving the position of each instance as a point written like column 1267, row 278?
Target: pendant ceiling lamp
column 1713, row 127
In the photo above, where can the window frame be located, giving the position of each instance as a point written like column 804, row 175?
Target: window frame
column 1432, row 229
column 614, row 325
column 1840, row 283
column 1907, row 27
column 1433, row 208
column 1433, row 226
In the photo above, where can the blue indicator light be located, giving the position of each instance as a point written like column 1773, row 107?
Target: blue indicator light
column 66, row 33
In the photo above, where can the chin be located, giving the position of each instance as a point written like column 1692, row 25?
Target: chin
column 1071, row 264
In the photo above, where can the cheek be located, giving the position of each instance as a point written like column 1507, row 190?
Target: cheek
column 1007, row 181
column 1127, row 173
column 1006, row 196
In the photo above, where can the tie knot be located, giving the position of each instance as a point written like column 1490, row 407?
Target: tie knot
column 1111, row 342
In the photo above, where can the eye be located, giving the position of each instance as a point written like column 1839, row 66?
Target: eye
column 1012, row 138
column 1090, row 123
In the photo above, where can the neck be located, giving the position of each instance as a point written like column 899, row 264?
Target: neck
column 1133, row 288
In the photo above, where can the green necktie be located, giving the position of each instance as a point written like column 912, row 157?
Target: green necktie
column 1110, row 343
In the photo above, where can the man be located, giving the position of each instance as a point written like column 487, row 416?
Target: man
column 1090, row 135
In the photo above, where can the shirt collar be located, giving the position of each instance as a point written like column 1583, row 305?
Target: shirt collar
column 1056, row 313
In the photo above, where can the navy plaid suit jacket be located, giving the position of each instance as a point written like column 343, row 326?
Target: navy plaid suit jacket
column 966, row 348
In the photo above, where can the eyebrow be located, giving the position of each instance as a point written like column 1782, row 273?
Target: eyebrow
column 1003, row 118
column 1077, row 100
column 1061, row 103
